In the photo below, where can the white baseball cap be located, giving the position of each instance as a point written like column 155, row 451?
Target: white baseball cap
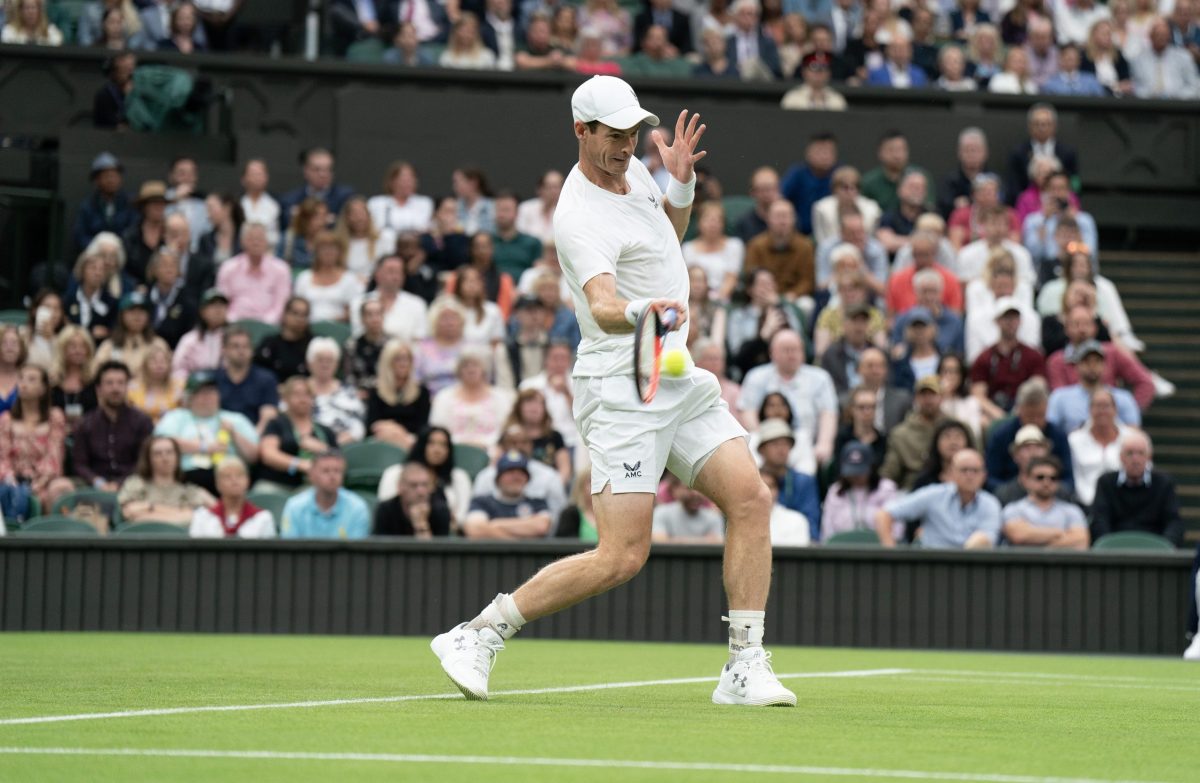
column 611, row 101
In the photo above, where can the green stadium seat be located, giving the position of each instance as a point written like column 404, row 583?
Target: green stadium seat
column 106, row 502
column 369, row 50
column 854, row 538
column 165, row 529
column 472, row 459
column 270, row 501
column 372, row 501
column 14, row 317
column 55, row 525
column 340, row 332
column 366, row 462
column 258, row 330
column 65, row 15
column 736, row 208
column 1133, row 540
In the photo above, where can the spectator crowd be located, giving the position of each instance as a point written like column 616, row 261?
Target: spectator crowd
column 927, row 358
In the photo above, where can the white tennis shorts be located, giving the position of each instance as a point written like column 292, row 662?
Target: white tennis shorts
column 631, row 443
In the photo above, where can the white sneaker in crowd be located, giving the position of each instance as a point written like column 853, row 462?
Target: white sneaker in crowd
column 1192, row 653
column 750, row 681
column 467, row 656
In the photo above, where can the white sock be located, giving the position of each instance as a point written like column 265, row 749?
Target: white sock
column 745, row 630
column 501, row 615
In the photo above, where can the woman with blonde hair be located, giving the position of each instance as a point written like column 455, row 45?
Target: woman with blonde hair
column 72, row 374
column 95, row 17
column 363, row 240
column 1106, row 60
column 529, row 412
column 472, row 409
column 465, row 47
column 329, row 286
column 90, row 301
column 153, row 389
column 436, row 356
column 310, row 218
column 846, row 198
column 400, row 208
column 29, row 24
column 720, row 256
column 612, row 22
column 33, row 436
column 986, row 52
column 485, row 322
column 398, row 405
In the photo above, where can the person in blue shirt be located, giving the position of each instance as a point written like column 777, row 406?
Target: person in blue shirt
column 1070, row 80
column 797, row 491
column 244, row 387
column 327, row 509
column 805, row 185
column 1069, row 406
column 954, row 515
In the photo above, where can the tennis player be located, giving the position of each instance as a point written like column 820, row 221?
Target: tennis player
column 618, row 240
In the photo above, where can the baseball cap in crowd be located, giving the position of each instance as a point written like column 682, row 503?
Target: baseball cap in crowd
column 919, row 315
column 855, row 459
column 929, row 383
column 105, row 161
column 213, row 295
column 133, row 299
column 774, row 429
column 1085, row 349
column 512, row 460
column 1030, row 433
column 1005, row 305
column 858, row 309
column 611, row 101
column 201, row 379
column 819, row 59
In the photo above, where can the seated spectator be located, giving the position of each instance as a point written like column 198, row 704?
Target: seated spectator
column 335, row 404
column 1030, row 408
column 578, row 520
column 707, row 318
column 949, row 437
column 29, row 24
column 530, row 413
column 956, row 189
column 157, row 490
column 1073, row 24
column 753, row 53
column 400, row 207
column 855, row 499
column 92, row 304
column 655, row 58
column 687, row 519
column 1041, row 50
column 434, row 450
column 12, row 357
column 514, row 252
column 827, row 212
column 954, row 515
column 809, row 390
column 929, row 287
column 498, row 287
column 892, row 404
column 859, row 425
column 200, row 348
column 538, row 51
column 957, row 400
column 328, row 286
column 952, row 70
column 232, row 516
column 933, row 224
column 1103, row 59
column 852, row 301
column 909, row 442
column 535, row 215
column 814, row 94
column 259, row 206
column 446, row 243
column 1096, row 447
column 1070, row 79
column 74, row 391
column 1039, row 228
column 901, row 293
column 1029, row 443
column 326, row 509
column 966, row 223
column 133, row 335
column 1069, row 405
column 554, row 382
column 1136, row 497
column 764, row 190
column 787, row 527
column 205, row 434
column 256, row 283
column 896, row 226
column 405, row 315
column 966, row 18
column 988, row 307
column 421, row 277
column 784, row 252
column 292, row 441
column 317, row 169
column 840, row 359
column 898, row 71
column 110, row 25
column 509, row 512
column 1109, row 307
column 984, row 51
column 283, row 353
column 464, row 48
column 974, row 259
column 805, row 184
column 225, row 215
column 417, row 509
column 171, row 308
column 362, row 352
column 484, row 325
column 1162, row 70
column 186, row 34
column 1032, row 199
column 398, row 405
column 33, row 438
column 1119, row 365
column 720, row 256
column 245, row 388
column 797, row 491
column 47, row 319
column 472, row 409
column 310, row 218
column 1016, row 78
column 153, row 390
column 1078, row 293
column 1041, row 518
column 106, row 441
column 107, row 209
column 917, row 355
column 1000, row 369
column 880, row 184
column 752, row 326
column 776, row 406
column 476, row 209
column 853, row 238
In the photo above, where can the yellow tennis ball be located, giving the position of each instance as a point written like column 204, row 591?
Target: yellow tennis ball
column 674, row 363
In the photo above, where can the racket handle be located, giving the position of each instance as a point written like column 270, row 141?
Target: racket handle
column 670, row 316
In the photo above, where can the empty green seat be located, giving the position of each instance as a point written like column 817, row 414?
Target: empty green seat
column 55, row 525
column 472, row 459
column 153, row 529
column 337, row 330
column 1133, row 540
column 854, row 538
column 258, row 330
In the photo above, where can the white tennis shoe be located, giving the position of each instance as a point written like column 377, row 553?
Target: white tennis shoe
column 1192, row 653
column 750, row 681
column 467, row 656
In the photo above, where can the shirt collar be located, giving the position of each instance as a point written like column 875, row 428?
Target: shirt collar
column 1123, row 478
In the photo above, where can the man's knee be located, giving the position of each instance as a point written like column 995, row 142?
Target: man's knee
column 624, row 562
column 752, row 504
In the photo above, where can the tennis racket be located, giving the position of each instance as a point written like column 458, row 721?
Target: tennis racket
column 648, row 335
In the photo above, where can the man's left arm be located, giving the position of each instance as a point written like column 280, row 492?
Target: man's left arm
column 679, row 160
column 1137, row 378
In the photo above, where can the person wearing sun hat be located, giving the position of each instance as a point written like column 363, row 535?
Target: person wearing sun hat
column 149, row 233
column 107, row 207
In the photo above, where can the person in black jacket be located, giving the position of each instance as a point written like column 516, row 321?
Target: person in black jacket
column 284, row 353
column 1136, row 497
column 1042, row 120
column 108, row 106
column 676, row 23
column 416, row 510
column 172, row 314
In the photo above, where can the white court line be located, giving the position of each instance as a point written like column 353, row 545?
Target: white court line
column 1045, row 683
column 423, row 697
column 1044, row 675
column 520, row 761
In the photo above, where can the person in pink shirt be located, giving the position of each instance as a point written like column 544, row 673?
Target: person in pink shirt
column 901, row 295
column 257, row 283
column 1119, row 364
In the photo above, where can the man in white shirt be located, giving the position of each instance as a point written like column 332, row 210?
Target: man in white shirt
column 535, row 216
column 258, row 205
column 618, row 238
column 554, row 382
column 1073, row 21
column 405, row 315
column 1164, row 70
column 401, row 208
column 973, row 258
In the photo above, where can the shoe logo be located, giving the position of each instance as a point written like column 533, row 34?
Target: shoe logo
column 502, row 626
column 653, row 201
column 459, row 642
column 739, row 680
column 634, row 470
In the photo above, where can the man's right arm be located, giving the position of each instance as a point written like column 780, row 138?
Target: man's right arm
column 608, row 308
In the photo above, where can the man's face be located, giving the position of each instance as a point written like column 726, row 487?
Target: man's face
column 821, row 155
column 900, row 51
column 972, row 153
column 206, row 402
column 781, row 219
column 787, row 354
column 928, row 403
column 654, row 42
column 924, row 254
column 108, row 181
column 372, row 317
column 1041, row 125
column 178, row 233
column 775, row 453
column 608, row 150
column 1009, row 324
column 1135, row 455
column 816, row 75
column 968, row 471
column 389, row 275
column 995, row 229
column 254, row 178
column 326, row 475
column 929, row 295
column 184, row 172
column 415, row 484
column 821, row 40
column 872, row 368
column 255, row 242
column 238, row 351
column 1068, row 60
column 123, row 68
column 893, row 154
column 1160, row 35
column 112, row 388
column 764, row 188
column 746, row 18
column 1043, row 482
column 1040, row 39
column 1081, row 325
column 853, row 231
column 1032, row 413
column 856, row 329
column 1059, row 188
column 511, row 483
column 506, row 213
column 318, row 171
column 912, row 190
column 1091, row 369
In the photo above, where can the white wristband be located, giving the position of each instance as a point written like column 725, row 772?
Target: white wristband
column 634, row 309
column 679, row 194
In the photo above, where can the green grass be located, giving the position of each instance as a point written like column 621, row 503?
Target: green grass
column 1081, row 717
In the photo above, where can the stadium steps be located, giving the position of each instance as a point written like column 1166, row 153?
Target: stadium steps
column 1161, row 291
